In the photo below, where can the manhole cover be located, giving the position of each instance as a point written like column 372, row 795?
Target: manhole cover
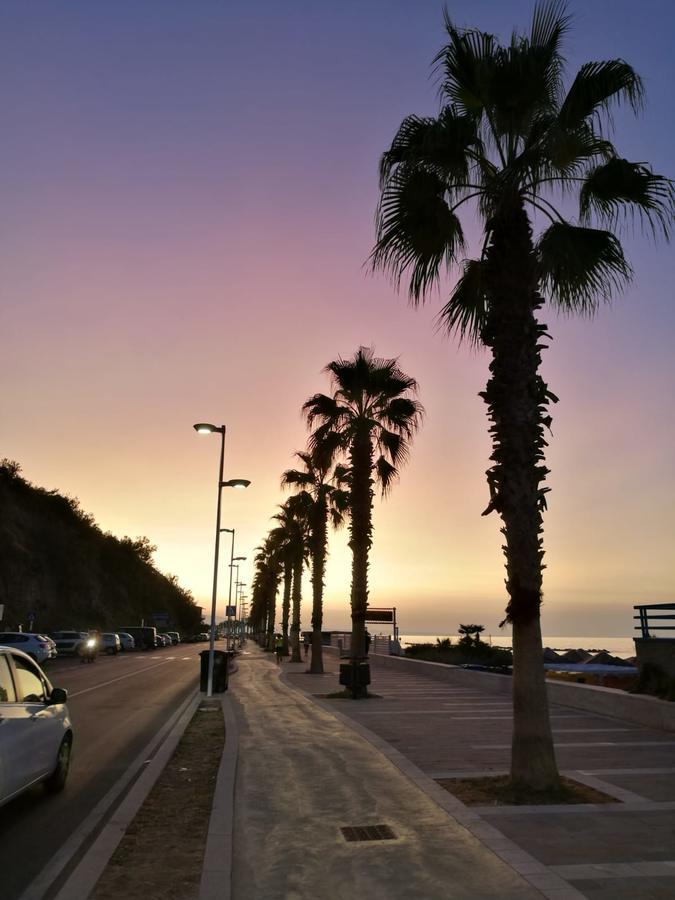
column 367, row 833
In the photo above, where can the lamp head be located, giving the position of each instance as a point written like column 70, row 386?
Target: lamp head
column 239, row 483
column 207, row 428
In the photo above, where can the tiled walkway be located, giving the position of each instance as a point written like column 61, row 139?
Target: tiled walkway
column 604, row 851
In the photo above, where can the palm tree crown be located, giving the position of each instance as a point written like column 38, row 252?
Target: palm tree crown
column 509, row 133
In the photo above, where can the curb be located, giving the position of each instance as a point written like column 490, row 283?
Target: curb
column 535, row 873
column 216, row 882
column 90, row 868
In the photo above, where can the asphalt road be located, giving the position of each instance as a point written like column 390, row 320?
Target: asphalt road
column 117, row 705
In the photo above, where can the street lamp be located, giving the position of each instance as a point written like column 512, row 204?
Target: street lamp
column 207, row 428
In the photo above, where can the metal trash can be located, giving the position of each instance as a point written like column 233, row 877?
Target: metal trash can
column 221, row 666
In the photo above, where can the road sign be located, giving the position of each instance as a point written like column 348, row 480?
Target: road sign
column 160, row 618
column 379, row 615
column 230, row 611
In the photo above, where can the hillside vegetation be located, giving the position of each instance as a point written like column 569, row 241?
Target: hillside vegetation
column 57, row 563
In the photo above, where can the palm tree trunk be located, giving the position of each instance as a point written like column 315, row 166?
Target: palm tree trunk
column 360, row 541
column 271, row 615
column 297, row 597
column 517, row 399
column 286, row 603
column 319, row 540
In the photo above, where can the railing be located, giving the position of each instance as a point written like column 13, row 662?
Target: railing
column 646, row 618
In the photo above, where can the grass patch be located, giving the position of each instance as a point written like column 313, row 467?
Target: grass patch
column 163, row 849
column 497, row 790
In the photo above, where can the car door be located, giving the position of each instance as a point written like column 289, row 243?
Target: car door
column 14, row 734
column 36, row 725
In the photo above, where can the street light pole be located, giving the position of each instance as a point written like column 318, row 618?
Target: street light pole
column 207, row 428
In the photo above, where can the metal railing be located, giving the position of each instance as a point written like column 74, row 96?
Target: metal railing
column 646, row 615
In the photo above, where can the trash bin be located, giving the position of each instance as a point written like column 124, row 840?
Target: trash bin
column 221, row 665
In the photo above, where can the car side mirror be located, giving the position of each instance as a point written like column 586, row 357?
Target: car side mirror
column 58, row 695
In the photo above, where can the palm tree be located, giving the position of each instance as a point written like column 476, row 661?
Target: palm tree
column 509, row 139
column 371, row 411
column 293, row 520
column 324, row 499
column 264, row 587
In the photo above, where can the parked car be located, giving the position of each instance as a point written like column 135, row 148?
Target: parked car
column 126, row 641
column 163, row 640
column 68, row 643
column 37, row 734
column 175, row 637
column 145, row 636
column 35, row 645
column 110, row 642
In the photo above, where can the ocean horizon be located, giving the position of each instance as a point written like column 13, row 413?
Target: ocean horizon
column 617, row 646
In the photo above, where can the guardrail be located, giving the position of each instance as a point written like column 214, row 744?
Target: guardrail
column 646, row 617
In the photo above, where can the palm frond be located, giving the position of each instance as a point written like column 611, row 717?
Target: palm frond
column 386, row 474
column 320, row 406
column 467, row 65
column 403, row 413
column 465, row 313
column 439, row 145
column 393, row 445
column 416, row 230
column 579, row 267
column 294, row 477
column 620, row 186
column 596, row 87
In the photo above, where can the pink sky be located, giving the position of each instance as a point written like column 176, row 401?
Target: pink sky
column 183, row 238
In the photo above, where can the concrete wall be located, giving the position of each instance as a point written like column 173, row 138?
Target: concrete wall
column 636, row 708
column 659, row 651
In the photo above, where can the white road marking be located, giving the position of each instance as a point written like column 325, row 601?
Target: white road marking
column 95, row 687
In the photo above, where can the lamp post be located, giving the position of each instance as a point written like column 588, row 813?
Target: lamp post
column 207, row 428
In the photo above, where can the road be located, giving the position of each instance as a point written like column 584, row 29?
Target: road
column 117, row 705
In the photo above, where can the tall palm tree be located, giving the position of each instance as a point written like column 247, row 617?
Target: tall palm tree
column 293, row 519
column 264, row 587
column 325, row 499
column 371, row 416
column 509, row 139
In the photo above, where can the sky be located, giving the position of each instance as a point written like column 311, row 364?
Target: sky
column 187, row 201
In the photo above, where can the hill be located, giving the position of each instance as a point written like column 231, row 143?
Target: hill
column 57, row 563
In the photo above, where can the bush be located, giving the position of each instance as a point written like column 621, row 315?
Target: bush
column 462, row 654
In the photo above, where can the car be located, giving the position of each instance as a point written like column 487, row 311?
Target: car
column 163, row 640
column 126, row 641
column 175, row 637
column 69, row 643
column 145, row 636
column 35, row 645
column 35, row 728
column 110, row 642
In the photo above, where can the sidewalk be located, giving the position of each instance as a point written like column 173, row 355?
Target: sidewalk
column 302, row 775
column 433, row 729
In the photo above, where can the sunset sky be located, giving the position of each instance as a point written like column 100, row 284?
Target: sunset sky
column 187, row 192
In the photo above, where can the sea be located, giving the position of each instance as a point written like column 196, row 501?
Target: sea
column 622, row 647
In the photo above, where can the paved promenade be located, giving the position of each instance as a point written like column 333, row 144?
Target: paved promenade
column 430, row 730
column 303, row 775
column 309, row 766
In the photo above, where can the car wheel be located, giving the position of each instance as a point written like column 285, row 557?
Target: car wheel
column 57, row 780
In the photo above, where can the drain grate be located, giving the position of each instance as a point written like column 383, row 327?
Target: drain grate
column 367, row 833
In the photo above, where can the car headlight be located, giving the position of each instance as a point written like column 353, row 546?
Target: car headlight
column 91, row 643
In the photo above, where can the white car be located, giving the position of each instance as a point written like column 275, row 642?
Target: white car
column 36, row 646
column 126, row 640
column 36, row 734
column 110, row 642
